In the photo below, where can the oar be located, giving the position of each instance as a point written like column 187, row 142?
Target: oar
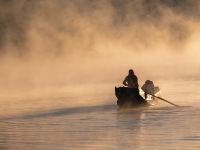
column 164, row 100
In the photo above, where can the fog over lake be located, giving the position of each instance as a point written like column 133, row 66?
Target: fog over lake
column 60, row 61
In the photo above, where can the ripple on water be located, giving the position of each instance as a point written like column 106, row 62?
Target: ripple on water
column 103, row 127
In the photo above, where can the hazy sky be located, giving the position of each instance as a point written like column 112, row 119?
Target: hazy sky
column 98, row 40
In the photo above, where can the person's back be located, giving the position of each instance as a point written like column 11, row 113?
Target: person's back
column 148, row 87
column 131, row 80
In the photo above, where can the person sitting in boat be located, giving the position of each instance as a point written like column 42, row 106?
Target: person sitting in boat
column 149, row 88
column 131, row 80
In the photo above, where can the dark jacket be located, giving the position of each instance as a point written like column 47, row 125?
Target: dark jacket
column 131, row 81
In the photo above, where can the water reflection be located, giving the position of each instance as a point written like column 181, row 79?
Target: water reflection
column 129, row 129
column 103, row 127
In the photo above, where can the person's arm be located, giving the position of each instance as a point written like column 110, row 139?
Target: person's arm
column 143, row 88
column 125, row 82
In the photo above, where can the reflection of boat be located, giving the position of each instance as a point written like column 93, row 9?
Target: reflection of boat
column 130, row 97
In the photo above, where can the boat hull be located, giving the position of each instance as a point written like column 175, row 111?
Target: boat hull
column 130, row 97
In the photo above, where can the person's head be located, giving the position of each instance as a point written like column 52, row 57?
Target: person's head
column 131, row 72
column 148, row 82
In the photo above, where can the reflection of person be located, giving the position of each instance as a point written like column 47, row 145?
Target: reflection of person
column 131, row 80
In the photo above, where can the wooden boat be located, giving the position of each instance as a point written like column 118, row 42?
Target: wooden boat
column 130, row 97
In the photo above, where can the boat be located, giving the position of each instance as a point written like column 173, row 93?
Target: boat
column 132, row 97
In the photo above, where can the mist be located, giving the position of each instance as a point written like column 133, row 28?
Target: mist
column 86, row 43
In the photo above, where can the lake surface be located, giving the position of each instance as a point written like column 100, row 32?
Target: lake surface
column 50, row 123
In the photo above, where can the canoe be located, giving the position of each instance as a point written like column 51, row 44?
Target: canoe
column 130, row 97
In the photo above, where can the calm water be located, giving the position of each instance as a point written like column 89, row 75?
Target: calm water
column 103, row 126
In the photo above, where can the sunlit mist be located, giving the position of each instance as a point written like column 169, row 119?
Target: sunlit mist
column 53, row 46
